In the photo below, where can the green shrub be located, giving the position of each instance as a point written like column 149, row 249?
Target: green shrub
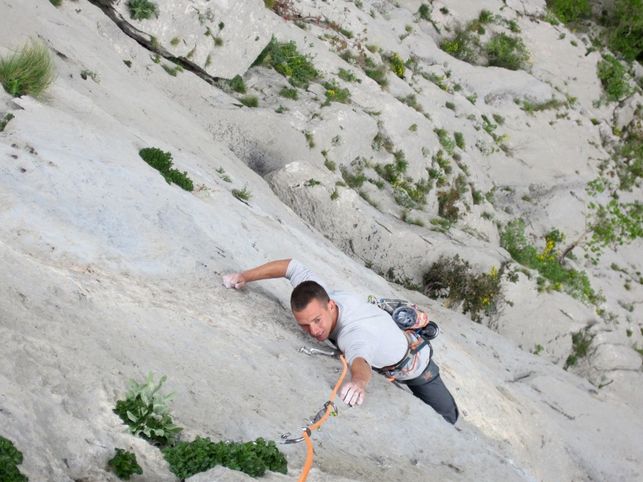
column 505, row 51
column 27, row 72
column 376, row 72
column 124, row 464
column 629, row 160
column 464, row 45
column 56, row 3
column 445, row 140
column 347, row 75
column 531, row 107
column 570, row 10
column 242, row 194
column 397, row 64
column 453, row 278
column 459, row 140
column 237, row 84
column 334, row 93
column 447, row 200
column 147, row 412
column 614, row 78
column 253, row 458
column 354, row 180
column 553, row 274
column 5, row 120
column 424, row 12
column 330, row 165
column 162, row 162
column 581, row 341
column 289, row 93
column 624, row 25
column 286, row 59
column 250, row 100
column 142, row 9
column 614, row 224
column 10, row 458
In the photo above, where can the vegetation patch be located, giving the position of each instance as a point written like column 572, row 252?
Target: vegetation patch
column 447, row 200
column 286, row 59
column 242, row 194
column 250, row 101
column 624, row 27
column 334, row 93
column 124, row 464
column 162, row 162
column 581, row 341
column 506, row 51
column 10, row 458
column 5, row 120
column 614, row 78
column 147, row 413
column 553, row 274
column 569, row 11
column 237, row 84
column 454, row 279
column 252, row 458
column 142, row 9
column 397, row 64
column 27, row 72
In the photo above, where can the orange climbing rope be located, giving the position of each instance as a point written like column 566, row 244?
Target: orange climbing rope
column 330, row 408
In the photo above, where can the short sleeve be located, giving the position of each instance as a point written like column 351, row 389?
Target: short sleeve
column 358, row 346
column 297, row 273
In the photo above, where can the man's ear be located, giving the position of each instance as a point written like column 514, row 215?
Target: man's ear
column 331, row 305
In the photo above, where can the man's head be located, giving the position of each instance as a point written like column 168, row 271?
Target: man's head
column 314, row 311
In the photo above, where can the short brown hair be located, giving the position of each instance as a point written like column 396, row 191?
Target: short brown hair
column 305, row 292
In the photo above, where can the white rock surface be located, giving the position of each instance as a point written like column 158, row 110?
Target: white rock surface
column 109, row 272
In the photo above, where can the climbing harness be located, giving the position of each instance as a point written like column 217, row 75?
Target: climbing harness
column 417, row 328
column 329, row 409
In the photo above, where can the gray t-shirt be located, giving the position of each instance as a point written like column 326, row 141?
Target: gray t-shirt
column 364, row 330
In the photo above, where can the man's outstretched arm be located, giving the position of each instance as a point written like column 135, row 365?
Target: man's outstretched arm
column 352, row 393
column 273, row 269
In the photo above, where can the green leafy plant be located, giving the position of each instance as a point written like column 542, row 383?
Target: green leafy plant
column 445, row 140
column 250, row 100
column 581, row 341
column 447, row 200
column 614, row 78
column 286, row 59
column 242, row 194
column 142, row 9
column 506, row 51
column 27, row 72
column 464, row 45
column 424, row 12
column 334, row 93
column 147, row 412
column 454, row 280
column 459, row 140
column 354, row 180
column 253, row 458
column 397, row 64
column 237, row 84
column 624, row 26
column 377, row 72
column 5, row 120
column 347, row 75
column 124, row 464
column 570, row 10
column 554, row 275
column 162, row 162
column 10, row 458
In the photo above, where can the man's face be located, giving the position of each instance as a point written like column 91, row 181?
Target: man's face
column 317, row 318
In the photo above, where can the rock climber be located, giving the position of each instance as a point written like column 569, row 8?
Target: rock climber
column 366, row 334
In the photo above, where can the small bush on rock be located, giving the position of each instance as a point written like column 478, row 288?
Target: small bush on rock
column 508, row 52
column 142, row 9
column 147, row 412
column 581, row 341
column 286, row 59
column 253, row 458
column 570, row 10
column 10, row 458
column 124, row 464
column 614, row 78
column 454, row 279
column 162, row 162
column 27, row 72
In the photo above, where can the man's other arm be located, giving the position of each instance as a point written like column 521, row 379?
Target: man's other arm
column 273, row 269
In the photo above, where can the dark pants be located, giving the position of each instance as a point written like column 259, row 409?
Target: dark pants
column 429, row 388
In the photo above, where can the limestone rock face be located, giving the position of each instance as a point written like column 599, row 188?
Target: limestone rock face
column 221, row 37
column 109, row 272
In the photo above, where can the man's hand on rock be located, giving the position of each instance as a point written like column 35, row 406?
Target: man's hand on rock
column 352, row 393
column 234, row 280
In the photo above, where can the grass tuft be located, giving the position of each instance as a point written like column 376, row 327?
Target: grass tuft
column 27, row 72
column 142, row 9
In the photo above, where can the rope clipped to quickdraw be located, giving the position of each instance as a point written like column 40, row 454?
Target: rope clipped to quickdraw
column 317, row 421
